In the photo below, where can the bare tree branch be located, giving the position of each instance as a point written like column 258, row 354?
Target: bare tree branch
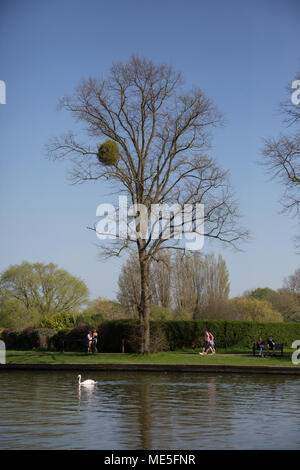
column 281, row 157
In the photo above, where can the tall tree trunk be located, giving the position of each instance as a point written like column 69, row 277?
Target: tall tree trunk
column 145, row 304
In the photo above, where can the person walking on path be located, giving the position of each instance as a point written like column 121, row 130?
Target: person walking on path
column 208, row 343
column 212, row 343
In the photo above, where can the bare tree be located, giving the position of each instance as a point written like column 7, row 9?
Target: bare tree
column 201, row 284
column 292, row 283
column 281, row 156
column 184, row 281
column 191, row 282
column 213, row 287
column 163, row 134
column 129, row 292
column 161, row 273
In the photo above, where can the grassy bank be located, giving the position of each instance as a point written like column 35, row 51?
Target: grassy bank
column 231, row 357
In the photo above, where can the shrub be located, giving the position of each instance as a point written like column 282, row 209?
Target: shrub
column 58, row 340
column 158, row 339
column 10, row 337
column 59, row 321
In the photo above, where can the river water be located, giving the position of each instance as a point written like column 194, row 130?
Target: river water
column 126, row 411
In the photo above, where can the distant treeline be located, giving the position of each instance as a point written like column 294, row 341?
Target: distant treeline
column 183, row 287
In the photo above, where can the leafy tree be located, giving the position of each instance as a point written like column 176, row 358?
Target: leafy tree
column 42, row 289
column 251, row 309
column 13, row 314
column 59, row 321
column 284, row 300
column 104, row 309
column 260, row 293
column 287, row 303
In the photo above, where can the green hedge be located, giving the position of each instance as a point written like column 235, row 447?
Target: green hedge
column 28, row 338
column 112, row 332
column 189, row 334
column 165, row 335
column 245, row 333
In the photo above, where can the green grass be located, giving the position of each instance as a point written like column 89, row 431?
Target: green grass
column 228, row 357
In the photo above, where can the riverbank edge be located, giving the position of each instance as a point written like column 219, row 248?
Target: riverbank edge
column 200, row 368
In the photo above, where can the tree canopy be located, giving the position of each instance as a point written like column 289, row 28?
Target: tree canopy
column 40, row 290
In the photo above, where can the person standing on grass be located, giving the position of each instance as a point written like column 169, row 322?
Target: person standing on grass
column 89, row 340
column 94, row 341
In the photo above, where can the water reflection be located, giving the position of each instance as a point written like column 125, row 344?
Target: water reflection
column 48, row 410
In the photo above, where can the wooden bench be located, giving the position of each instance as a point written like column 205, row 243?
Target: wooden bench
column 266, row 350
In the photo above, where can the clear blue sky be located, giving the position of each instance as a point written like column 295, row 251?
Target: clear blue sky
column 241, row 53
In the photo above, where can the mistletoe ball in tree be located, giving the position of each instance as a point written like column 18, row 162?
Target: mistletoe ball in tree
column 108, row 153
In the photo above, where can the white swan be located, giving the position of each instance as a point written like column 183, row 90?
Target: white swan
column 86, row 383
